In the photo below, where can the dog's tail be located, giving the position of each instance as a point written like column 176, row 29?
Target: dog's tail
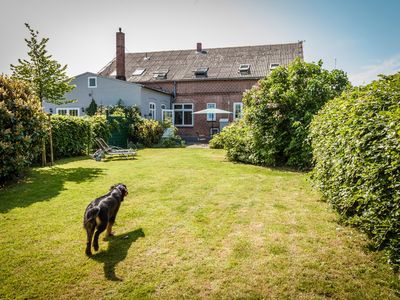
column 91, row 214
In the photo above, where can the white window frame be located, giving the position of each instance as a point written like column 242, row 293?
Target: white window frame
column 183, row 110
column 152, row 111
column 211, row 117
column 166, row 111
column 95, row 80
column 234, row 110
column 68, row 109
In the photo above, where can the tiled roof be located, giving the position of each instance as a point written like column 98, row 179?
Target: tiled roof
column 222, row 63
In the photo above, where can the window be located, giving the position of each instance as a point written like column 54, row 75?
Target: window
column 273, row 66
column 237, row 110
column 244, row 69
column 61, row 111
column 152, row 110
column 138, row 72
column 163, row 107
column 202, row 71
column 167, row 115
column 92, row 82
column 183, row 114
column 160, row 74
column 68, row 111
column 211, row 117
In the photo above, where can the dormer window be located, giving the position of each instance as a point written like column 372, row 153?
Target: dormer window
column 201, row 72
column 161, row 74
column 92, row 82
column 138, row 72
column 273, row 66
column 244, row 69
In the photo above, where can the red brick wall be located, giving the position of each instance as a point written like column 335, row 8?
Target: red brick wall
column 200, row 92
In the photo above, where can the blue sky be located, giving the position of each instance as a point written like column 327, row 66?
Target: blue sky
column 360, row 37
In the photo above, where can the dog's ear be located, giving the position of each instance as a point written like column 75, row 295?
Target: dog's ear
column 113, row 187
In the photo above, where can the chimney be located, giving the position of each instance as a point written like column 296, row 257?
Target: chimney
column 199, row 48
column 120, row 57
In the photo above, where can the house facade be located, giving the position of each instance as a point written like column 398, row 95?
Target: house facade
column 201, row 78
column 108, row 91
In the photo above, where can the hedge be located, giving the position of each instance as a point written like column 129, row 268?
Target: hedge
column 356, row 148
column 22, row 127
column 73, row 136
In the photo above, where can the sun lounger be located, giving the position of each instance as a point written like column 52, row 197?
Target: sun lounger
column 105, row 149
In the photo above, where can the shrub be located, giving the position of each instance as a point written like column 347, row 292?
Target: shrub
column 92, row 108
column 237, row 140
column 22, row 127
column 279, row 110
column 217, row 141
column 73, row 136
column 99, row 127
column 171, row 141
column 356, row 148
column 147, row 132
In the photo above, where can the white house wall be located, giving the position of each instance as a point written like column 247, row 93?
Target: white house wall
column 108, row 92
column 159, row 99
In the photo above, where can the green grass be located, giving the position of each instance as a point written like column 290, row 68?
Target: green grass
column 193, row 226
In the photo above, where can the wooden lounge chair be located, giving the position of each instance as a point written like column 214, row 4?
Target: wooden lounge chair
column 105, row 149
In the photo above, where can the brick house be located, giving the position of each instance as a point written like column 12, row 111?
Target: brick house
column 201, row 78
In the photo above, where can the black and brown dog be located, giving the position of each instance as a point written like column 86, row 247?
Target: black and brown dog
column 101, row 213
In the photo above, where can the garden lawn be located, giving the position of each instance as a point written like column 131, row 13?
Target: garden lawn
column 193, row 226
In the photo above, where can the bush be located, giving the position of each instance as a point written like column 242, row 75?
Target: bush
column 92, row 108
column 73, row 136
column 22, row 127
column 172, row 141
column 147, row 132
column 217, row 141
column 279, row 110
column 356, row 148
column 236, row 138
column 99, row 127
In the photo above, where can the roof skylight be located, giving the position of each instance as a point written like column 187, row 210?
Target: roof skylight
column 273, row 66
column 202, row 71
column 138, row 72
column 160, row 74
column 244, row 69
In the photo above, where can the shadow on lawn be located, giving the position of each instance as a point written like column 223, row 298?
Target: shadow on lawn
column 117, row 251
column 43, row 185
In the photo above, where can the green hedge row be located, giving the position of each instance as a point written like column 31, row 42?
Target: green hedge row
column 356, row 149
column 73, row 136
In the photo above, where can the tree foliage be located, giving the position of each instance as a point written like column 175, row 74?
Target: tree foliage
column 92, row 108
column 46, row 76
column 278, row 111
column 22, row 126
column 356, row 148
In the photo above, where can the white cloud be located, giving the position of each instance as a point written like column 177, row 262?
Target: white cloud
column 369, row 73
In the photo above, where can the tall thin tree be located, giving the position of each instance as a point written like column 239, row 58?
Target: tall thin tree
column 46, row 76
